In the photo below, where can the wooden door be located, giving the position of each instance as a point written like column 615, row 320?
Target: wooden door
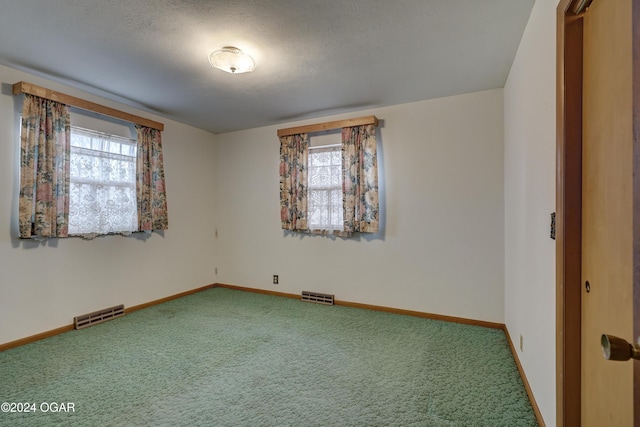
column 607, row 211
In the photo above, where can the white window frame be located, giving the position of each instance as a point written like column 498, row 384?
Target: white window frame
column 331, row 219
column 119, row 154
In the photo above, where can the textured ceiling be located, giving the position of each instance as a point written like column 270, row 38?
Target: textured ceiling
column 314, row 57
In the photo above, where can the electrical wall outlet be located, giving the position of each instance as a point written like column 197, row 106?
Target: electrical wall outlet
column 275, row 279
column 215, row 271
column 521, row 349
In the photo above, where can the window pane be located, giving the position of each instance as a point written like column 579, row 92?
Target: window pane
column 102, row 184
column 325, row 189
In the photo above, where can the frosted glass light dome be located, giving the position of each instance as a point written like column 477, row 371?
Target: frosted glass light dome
column 232, row 60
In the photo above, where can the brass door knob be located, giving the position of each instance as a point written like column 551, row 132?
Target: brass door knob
column 615, row 348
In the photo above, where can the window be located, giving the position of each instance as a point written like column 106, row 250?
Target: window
column 102, row 197
column 114, row 179
column 319, row 194
column 325, row 188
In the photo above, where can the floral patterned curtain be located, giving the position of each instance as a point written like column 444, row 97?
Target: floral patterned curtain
column 360, row 179
column 44, row 169
column 294, row 156
column 151, row 193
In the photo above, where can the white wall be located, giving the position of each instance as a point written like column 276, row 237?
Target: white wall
column 529, row 104
column 42, row 286
column 442, row 245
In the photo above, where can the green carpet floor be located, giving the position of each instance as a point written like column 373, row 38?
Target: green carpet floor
column 231, row 358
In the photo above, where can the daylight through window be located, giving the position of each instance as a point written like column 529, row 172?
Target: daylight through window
column 325, row 188
column 102, row 184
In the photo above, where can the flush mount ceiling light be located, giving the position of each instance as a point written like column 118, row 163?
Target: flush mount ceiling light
column 232, row 60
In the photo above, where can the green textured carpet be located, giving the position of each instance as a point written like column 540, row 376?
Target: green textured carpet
column 231, row 358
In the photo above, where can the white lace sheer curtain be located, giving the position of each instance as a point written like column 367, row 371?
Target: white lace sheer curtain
column 325, row 211
column 102, row 184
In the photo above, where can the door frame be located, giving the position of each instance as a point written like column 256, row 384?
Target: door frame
column 569, row 51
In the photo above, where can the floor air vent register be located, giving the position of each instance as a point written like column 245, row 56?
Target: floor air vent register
column 99, row 316
column 317, row 297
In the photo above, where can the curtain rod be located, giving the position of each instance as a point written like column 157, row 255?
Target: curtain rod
column 31, row 89
column 318, row 127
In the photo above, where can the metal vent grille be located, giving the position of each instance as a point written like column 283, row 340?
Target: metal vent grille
column 317, row 297
column 99, row 316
